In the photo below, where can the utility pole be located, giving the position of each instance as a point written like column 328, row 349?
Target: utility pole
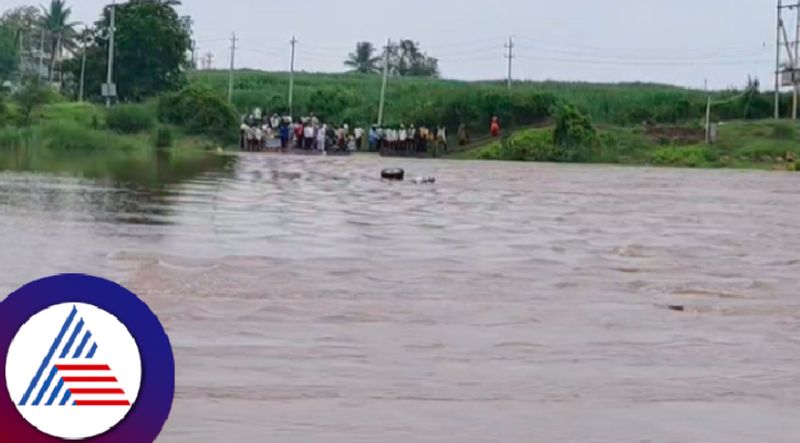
column 796, row 64
column 708, row 112
column 41, row 56
column 385, row 80
column 194, row 58
column 510, row 58
column 778, row 63
column 792, row 59
column 111, row 90
column 83, row 65
column 208, row 61
column 291, row 79
column 233, row 65
column 20, row 37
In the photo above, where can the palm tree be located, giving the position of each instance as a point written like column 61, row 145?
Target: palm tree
column 61, row 31
column 363, row 60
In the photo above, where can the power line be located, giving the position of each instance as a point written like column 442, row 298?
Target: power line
column 651, row 57
column 652, row 50
column 642, row 63
column 595, row 54
column 464, row 44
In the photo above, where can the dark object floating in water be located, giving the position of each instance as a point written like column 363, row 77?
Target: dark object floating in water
column 425, row 180
column 393, row 174
column 677, row 308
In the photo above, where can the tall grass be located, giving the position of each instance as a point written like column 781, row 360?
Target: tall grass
column 354, row 98
column 67, row 136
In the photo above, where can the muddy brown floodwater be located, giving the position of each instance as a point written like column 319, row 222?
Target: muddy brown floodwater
column 309, row 302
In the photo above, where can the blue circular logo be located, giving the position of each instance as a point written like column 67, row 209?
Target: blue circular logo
column 83, row 359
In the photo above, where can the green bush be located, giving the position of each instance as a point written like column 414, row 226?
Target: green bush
column 764, row 150
column 574, row 136
column 11, row 137
column 71, row 136
column 200, row 110
column 623, row 145
column 533, row 145
column 163, row 137
column 129, row 119
column 689, row 156
column 783, row 131
column 33, row 94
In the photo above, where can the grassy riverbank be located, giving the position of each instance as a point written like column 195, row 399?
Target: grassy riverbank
column 741, row 144
column 75, row 139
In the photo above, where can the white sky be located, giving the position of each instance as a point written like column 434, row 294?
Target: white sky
column 671, row 41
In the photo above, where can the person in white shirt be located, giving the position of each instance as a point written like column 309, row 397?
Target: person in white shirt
column 412, row 138
column 275, row 121
column 308, row 135
column 243, row 129
column 321, row 138
column 259, row 137
column 402, row 137
column 359, row 133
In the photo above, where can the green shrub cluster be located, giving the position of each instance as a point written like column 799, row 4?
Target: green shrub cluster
column 163, row 137
column 686, row 156
column 574, row 136
column 64, row 136
column 129, row 119
column 200, row 110
column 11, row 137
column 71, row 136
column 783, row 131
column 30, row 97
column 3, row 110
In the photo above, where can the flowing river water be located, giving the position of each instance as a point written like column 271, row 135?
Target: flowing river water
column 308, row 301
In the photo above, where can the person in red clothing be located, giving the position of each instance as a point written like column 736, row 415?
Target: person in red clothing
column 298, row 135
column 495, row 127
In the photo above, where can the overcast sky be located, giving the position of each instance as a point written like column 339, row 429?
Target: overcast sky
column 672, row 41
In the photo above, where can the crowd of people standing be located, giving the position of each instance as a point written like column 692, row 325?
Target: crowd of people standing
column 260, row 132
column 407, row 139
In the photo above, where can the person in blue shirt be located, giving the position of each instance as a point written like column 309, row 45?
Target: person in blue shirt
column 374, row 138
column 284, row 132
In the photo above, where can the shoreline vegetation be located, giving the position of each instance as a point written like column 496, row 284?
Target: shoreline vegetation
column 165, row 104
column 199, row 120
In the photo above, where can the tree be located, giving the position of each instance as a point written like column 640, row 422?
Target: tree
column 60, row 30
column 24, row 19
column 16, row 24
column 8, row 53
column 32, row 95
column 151, row 46
column 406, row 60
column 363, row 60
column 574, row 137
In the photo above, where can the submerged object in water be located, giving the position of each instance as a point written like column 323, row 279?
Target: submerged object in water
column 425, row 180
column 393, row 174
